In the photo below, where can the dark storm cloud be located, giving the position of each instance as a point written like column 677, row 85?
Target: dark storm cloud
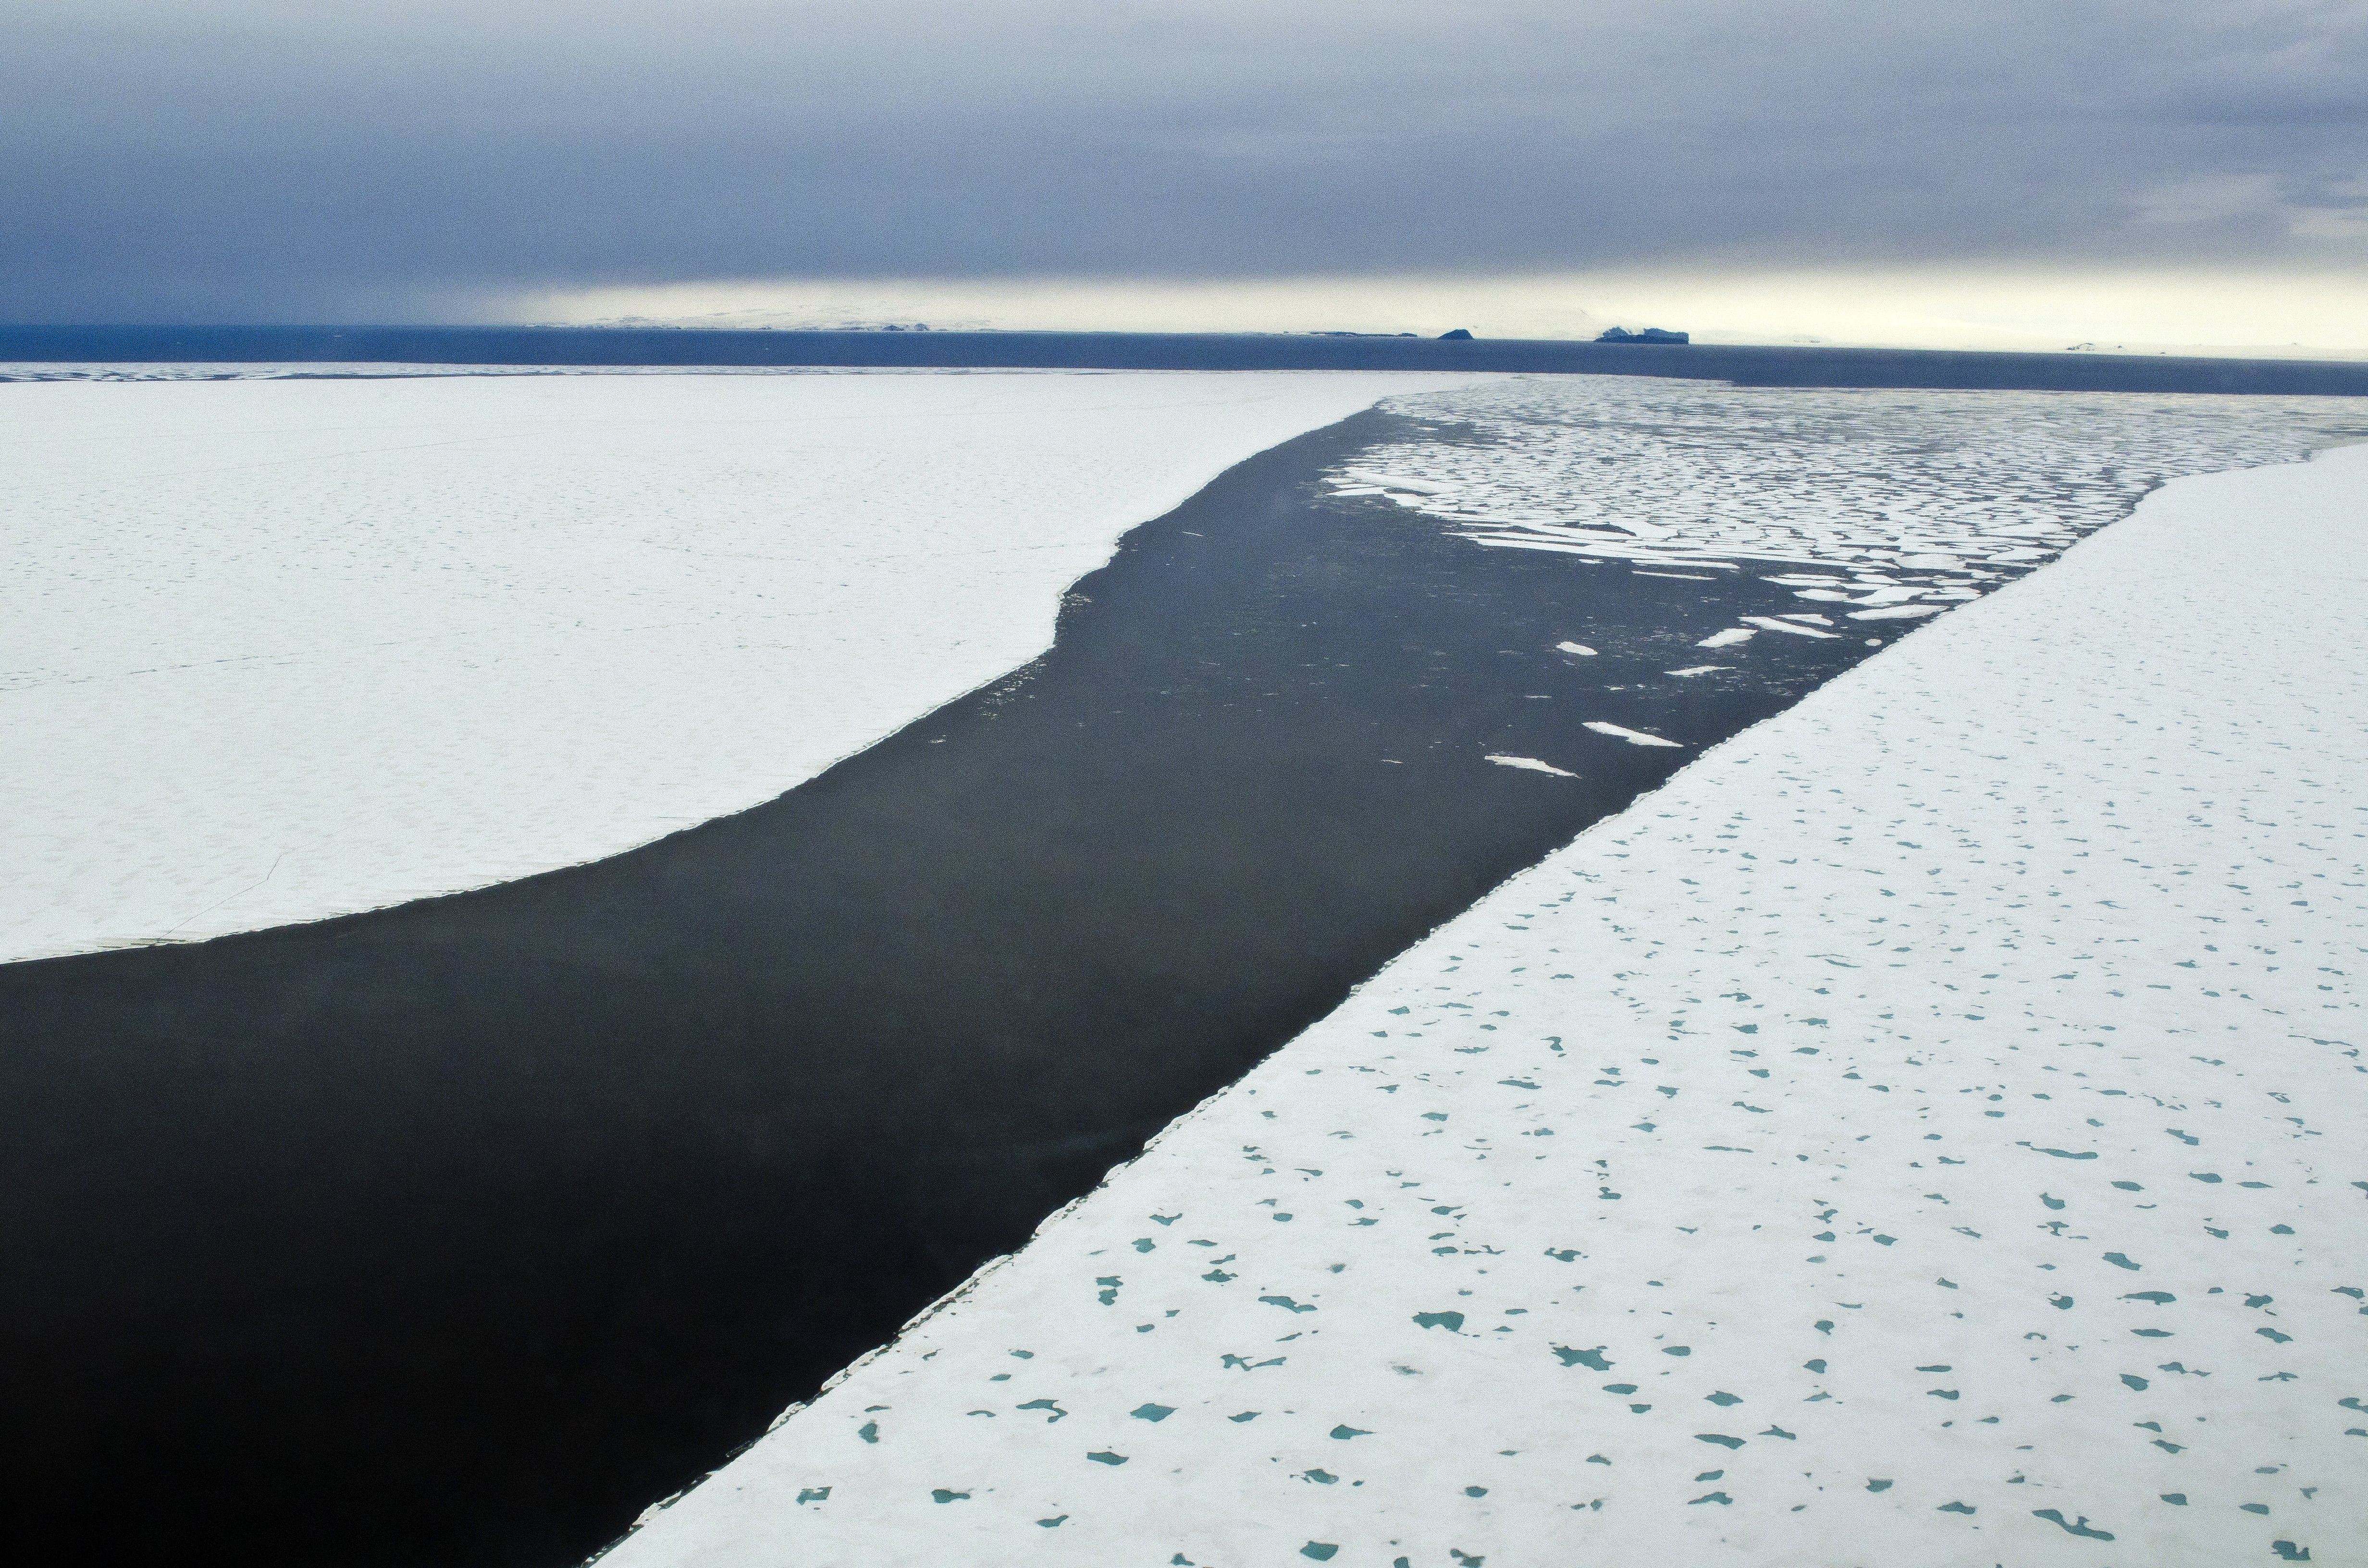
column 282, row 161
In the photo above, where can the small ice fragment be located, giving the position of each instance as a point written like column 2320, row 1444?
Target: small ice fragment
column 1683, row 576
column 1897, row 612
column 1804, row 615
column 1634, row 737
column 1697, row 669
column 1727, row 638
column 1770, row 623
column 1534, row 765
column 1574, row 648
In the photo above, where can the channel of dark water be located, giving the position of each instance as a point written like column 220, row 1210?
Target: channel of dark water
column 458, row 1233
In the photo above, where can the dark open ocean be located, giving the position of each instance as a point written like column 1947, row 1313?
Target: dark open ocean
column 1753, row 365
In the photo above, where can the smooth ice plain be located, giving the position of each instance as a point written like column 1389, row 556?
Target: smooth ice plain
column 279, row 649
column 1928, row 1129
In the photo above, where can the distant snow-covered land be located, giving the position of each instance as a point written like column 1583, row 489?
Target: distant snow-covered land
column 1931, row 1129
column 277, row 648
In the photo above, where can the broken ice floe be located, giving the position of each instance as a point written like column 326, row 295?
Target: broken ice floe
column 1775, row 623
column 1622, row 732
column 1504, row 760
column 1897, row 612
column 1900, row 496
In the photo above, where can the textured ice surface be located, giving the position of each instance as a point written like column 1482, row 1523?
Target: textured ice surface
column 1928, row 1130
column 281, row 649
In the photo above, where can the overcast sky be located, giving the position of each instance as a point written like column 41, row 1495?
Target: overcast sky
column 265, row 160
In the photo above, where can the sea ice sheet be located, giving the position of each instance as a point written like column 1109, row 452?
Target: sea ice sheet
column 279, row 649
column 1930, row 1130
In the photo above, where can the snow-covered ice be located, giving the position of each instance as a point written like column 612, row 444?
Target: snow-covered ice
column 1505, row 759
column 1929, row 1130
column 279, row 649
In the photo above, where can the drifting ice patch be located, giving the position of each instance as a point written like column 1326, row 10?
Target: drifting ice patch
column 1574, row 648
column 1634, row 737
column 1770, row 624
column 1533, row 763
column 1897, row 612
column 1728, row 638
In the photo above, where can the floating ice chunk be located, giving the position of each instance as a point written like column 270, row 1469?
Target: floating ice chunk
column 1574, row 648
column 1634, row 737
column 1698, row 669
column 1533, row 765
column 1770, row 624
column 1682, row 577
column 1897, row 612
column 1375, row 484
column 1820, row 619
column 1531, row 541
column 1728, row 638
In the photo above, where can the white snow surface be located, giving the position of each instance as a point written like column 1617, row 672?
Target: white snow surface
column 281, row 649
column 1929, row 1130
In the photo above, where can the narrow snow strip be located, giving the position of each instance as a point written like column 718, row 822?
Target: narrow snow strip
column 1928, row 1129
column 1574, row 648
column 1634, row 737
column 1533, row 763
column 1698, row 669
column 276, row 650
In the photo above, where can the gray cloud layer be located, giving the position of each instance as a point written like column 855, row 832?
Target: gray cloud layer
column 277, row 161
